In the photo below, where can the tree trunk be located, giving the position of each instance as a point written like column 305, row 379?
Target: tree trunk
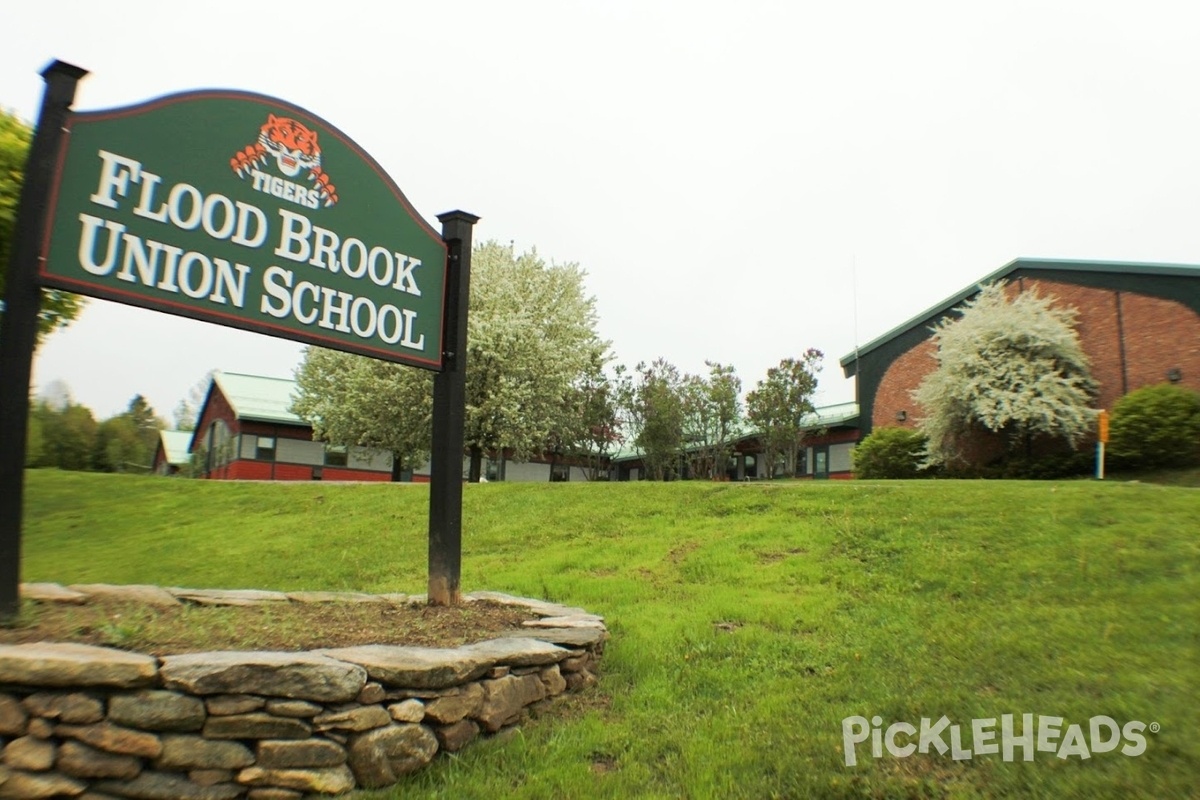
column 476, row 469
column 797, row 449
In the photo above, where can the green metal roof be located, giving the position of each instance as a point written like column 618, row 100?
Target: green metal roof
column 254, row 397
column 261, row 399
column 831, row 415
column 824, row 417
column 1031, row 264
column 175, row 445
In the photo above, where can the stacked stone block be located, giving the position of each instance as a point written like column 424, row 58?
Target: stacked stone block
column 78, row 721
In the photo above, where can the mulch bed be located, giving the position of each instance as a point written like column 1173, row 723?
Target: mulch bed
column 269, row 626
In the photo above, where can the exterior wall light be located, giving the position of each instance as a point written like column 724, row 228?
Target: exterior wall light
column 1175, row 375
column 901, row 416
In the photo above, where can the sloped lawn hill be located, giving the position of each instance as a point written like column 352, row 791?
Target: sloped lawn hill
column 748, row 619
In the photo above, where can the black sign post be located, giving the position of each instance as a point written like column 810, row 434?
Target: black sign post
column 382, row 298
column 449, row 417
column 18, row 327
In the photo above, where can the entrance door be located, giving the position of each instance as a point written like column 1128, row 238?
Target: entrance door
column 821, row 462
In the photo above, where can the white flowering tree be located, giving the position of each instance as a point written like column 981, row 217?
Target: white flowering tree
column 531, row 336
column 1013, row 367
column 351, row 399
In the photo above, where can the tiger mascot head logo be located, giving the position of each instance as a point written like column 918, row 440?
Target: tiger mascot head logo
column 293, row 145
column 295, row 149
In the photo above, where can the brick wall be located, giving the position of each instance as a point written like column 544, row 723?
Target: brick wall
column 1131, row 339
column 904, row 374
column 1129, row 350
column 1160, row 335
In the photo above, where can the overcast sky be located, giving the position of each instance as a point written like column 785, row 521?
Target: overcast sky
column 738, row 179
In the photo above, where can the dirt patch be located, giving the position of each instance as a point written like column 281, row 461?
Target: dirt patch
column 773, row 556
column 602, row 764
column 268, row 626
column 680, row 552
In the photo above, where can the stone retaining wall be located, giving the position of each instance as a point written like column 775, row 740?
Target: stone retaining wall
column 78, row 721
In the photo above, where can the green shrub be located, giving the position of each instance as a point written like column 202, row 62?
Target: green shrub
column 890, row 453
column 1043, row 467
column 1154, row 427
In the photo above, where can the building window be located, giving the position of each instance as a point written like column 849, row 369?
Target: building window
column 265, row 448
column 220, row 445
column 335, row 455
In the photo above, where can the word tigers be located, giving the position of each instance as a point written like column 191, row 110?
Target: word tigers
column 295, row 148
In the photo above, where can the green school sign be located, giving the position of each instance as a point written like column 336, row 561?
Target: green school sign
column 249, row 212
column 245, row 211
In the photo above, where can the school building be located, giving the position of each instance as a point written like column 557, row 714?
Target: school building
column 1138, row 323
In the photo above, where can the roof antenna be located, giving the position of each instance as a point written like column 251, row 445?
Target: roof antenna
column 854, row 301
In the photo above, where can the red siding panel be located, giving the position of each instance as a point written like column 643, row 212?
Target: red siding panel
column 344, row 474
column 249, row 471
column 293, row 472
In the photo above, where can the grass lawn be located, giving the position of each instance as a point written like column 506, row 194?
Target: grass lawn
column 748, row 620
